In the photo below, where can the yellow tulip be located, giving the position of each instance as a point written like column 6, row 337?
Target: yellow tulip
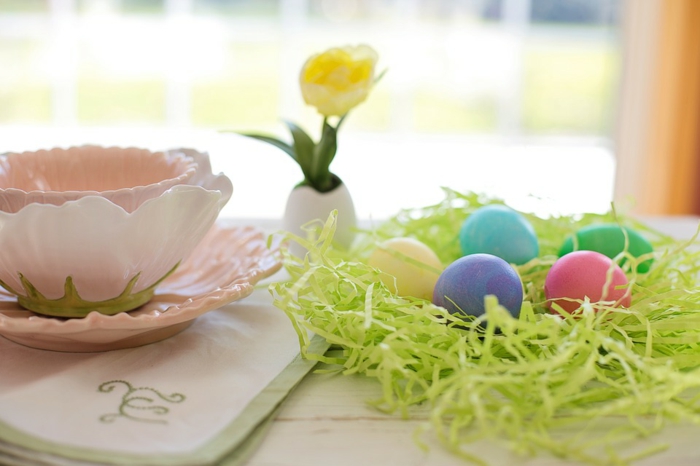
column 338, row 79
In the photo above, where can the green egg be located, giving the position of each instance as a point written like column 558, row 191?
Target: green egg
column 608, row 239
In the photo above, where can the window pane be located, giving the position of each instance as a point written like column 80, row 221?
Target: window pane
column 105, row 101
column 569, row 86
column 237, row 8
column 142, row 6
column 25, row 93
column 23, row 6
column 245, row 92
column 118, row 78
column 571, row 67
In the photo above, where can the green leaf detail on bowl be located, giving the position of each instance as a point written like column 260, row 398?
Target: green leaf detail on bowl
column 72, row 305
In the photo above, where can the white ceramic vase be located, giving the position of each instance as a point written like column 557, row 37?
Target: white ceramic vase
column 305, row 204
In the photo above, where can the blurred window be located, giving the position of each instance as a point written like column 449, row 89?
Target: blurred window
column 503, row 68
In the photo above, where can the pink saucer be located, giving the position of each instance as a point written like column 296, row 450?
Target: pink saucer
column 223, row 268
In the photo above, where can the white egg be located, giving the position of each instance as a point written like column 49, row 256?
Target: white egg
column 410, row 267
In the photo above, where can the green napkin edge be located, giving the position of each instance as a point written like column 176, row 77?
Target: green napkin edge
column 232, row 446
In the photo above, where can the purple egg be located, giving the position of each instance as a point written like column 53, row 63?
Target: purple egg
column 464, row 284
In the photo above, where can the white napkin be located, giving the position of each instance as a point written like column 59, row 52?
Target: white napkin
column 190, row 399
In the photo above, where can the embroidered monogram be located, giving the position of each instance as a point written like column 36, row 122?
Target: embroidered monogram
column 139, row 404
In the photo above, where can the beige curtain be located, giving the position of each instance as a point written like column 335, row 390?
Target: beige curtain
column 658, row 146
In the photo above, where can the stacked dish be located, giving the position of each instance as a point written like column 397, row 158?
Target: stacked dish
column 113, row 238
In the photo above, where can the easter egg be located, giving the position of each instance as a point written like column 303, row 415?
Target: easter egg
column 609, row 239
column 582, row 274
column 413, row 265
column 463, row 285
column 500, row 231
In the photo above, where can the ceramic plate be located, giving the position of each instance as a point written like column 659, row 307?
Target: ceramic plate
column 223, row 268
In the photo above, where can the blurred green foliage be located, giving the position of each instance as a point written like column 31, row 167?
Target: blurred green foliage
column 569, row 89
column 24, row 6
column 102, row 101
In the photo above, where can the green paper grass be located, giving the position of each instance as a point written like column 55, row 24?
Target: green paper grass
column 579, row 387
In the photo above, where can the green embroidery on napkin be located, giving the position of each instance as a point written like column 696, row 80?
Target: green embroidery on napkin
column 138, row 403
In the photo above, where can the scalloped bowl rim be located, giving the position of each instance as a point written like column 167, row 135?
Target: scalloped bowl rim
column 91, row 198
column 190, row 170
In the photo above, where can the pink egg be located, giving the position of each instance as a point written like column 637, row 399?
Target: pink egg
column 583, row 274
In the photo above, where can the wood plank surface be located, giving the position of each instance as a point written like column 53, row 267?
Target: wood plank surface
column 327, row 422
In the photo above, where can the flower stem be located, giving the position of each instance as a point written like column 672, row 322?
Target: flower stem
column 324, row 152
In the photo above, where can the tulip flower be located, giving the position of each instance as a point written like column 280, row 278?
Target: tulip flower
column 334, row 82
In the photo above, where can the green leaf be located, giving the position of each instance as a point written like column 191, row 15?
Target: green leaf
column 275, row 142
column 304, row 148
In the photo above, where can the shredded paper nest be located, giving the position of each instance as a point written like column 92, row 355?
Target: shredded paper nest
column 579, row 387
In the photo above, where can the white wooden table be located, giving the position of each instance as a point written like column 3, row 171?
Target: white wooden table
column 326, row 422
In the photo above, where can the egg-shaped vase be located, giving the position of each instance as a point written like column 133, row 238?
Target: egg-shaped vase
column 306, row 205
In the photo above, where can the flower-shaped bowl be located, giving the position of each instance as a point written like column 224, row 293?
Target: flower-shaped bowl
column 224, row 267
column 125, row 176
column 91, row 255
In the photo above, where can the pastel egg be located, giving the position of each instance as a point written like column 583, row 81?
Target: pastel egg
column 463, row 285
column 582, row 274
column 609, row 239
column 500, row 231
column 413, row 265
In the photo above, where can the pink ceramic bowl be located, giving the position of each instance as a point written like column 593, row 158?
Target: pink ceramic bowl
column 125, row 176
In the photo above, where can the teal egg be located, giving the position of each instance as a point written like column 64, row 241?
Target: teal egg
column 501, row 231
column 609, row 239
